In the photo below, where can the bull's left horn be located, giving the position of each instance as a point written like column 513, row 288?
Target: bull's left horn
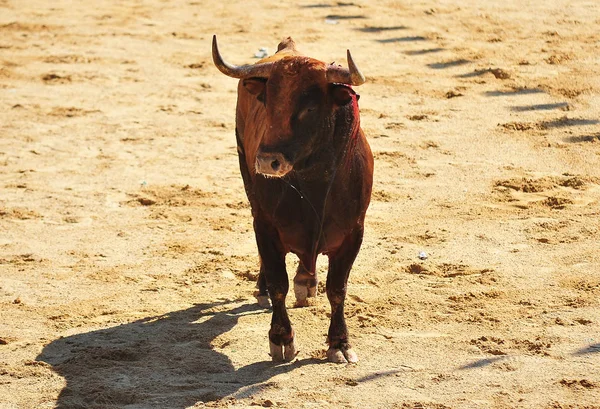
column 351, row 76
column 241, row 71
column 356, row 76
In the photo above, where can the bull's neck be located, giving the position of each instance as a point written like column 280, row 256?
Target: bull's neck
column 333, row 151
column 313, row 184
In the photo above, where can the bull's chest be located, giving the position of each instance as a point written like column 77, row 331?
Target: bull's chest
column 307, row 222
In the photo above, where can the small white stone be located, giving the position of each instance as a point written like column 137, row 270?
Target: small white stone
column 262, row 53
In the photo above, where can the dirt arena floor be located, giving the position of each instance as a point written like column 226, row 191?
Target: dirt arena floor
column 127, row 255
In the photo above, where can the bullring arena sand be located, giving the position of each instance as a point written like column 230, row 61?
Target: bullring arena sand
column 127, row 256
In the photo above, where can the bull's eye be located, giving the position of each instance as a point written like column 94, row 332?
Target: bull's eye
column 307, row 112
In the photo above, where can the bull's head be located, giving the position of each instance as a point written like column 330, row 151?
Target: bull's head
column 301, row 96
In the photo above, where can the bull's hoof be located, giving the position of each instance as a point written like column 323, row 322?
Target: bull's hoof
column 263, row 300
column 342, row 356
column 281, row 353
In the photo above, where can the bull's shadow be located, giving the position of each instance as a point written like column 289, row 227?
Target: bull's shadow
column 165, row 361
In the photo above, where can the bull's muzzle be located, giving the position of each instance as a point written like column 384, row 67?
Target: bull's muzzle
column 272, row 164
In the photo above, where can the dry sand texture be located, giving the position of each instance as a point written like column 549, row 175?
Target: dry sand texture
column 127, row 257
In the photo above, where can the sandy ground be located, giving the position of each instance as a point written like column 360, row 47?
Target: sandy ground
column 127, row 257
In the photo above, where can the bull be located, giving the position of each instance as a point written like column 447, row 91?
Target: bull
column 307, row 170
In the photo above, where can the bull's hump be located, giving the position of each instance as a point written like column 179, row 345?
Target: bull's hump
column 287, row 44
column 286, row 48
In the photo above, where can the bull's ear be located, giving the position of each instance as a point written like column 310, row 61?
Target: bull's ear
column 254, row 85
column 343, row 94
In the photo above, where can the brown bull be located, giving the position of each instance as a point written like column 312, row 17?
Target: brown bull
column 308, row 172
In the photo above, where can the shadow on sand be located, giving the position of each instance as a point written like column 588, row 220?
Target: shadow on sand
column 481, row 363
column 424, row 51
column 564, row 122
column 325, row 5
column 380, row 29
column 401, row 39
column 166, row 361
column 590, row 349
column 449, row 64
column 540, row 107
column 584, row 138
column 512, row 92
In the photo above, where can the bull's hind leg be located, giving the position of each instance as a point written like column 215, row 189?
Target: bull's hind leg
column 305, row 286
column 281, row 334
column 261, row 294
column 340, row 264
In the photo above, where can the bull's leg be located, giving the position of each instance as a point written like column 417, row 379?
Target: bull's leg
column 340, row 264
column 305, row 286
column 262, row 296
column 281, row 334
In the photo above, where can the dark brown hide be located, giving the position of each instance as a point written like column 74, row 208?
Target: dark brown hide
column 308, row 171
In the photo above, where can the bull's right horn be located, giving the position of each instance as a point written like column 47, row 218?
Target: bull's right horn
column 242, row 71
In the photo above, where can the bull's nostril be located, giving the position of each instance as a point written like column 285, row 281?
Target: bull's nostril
column 275, row 165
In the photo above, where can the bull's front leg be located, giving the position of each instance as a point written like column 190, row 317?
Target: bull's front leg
column 340, row 264
column 262, row 297
column 272, row 254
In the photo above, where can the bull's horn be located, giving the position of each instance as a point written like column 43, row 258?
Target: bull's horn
column 241, row 71
column 352, row 76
